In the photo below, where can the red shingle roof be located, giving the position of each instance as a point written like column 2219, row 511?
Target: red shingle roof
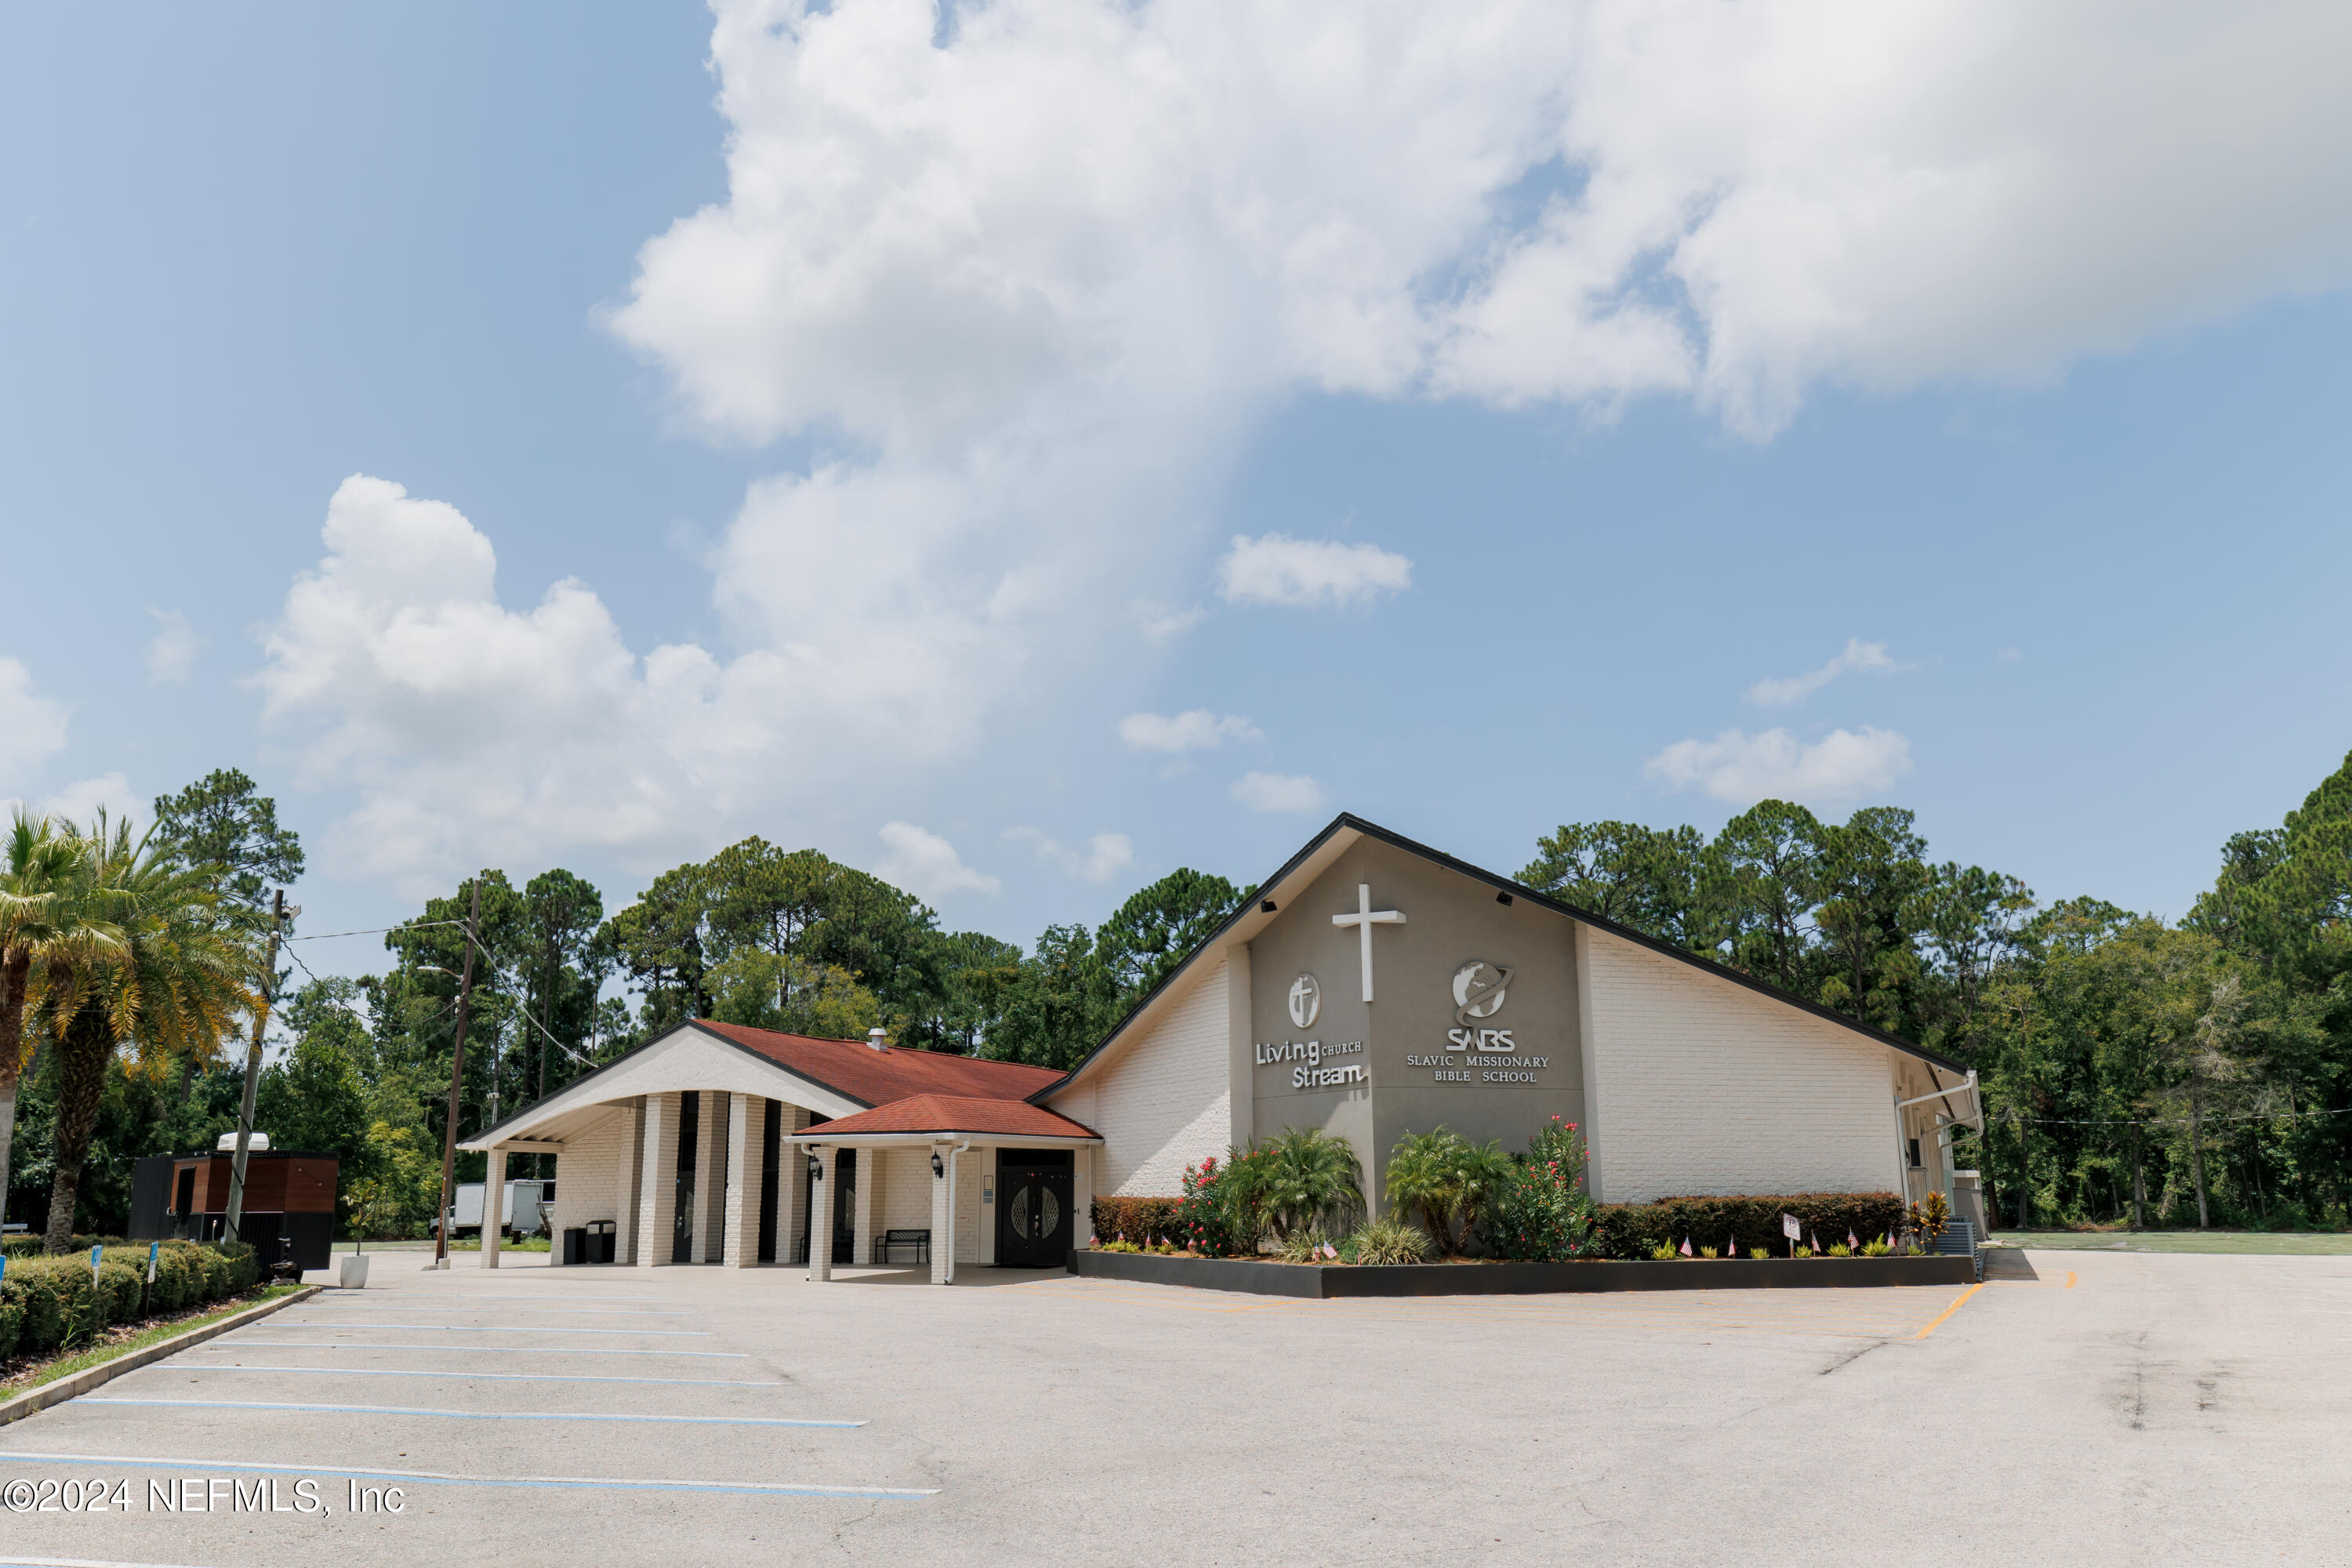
column 877, row 1077
column 956, row 1113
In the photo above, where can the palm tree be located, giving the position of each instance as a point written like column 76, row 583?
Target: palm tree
column 1423, row 1174
column 39, row 861
column 1310, row 1173
column 154, row 963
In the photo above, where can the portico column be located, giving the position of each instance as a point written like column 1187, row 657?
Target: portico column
column 943, row 1216
column 746, row 1166
column 709, row 1178
column 494, row 1194
column 658, row 1186
column 1082, row 1196
column 861, row 1223
column 820, row 1226
column 625, row 1202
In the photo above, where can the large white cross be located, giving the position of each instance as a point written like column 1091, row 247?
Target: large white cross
column 1363, row 919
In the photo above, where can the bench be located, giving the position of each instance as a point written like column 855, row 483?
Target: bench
column 920, row 1240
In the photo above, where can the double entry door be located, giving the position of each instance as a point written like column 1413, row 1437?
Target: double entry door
column 1034, row 1221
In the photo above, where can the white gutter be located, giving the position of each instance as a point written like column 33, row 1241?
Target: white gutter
column 1967, row 1084
column 814, row 1136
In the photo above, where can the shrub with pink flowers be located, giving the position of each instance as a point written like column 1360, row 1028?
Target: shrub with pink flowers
column 1543, row 1214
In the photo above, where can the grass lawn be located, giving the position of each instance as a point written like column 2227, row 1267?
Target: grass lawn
column 124, row 1338
column 2321, row 1243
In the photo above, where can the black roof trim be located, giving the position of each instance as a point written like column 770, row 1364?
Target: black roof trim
column 1517, row 890
column 698, row 1025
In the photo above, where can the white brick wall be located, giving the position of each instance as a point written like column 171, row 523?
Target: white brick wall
column 1705, row 1087
column 1166, row 1101
column 588, row 1177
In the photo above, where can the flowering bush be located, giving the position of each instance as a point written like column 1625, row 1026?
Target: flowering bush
column 1543, row 1213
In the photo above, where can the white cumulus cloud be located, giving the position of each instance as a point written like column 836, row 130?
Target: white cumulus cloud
column 1743, row 769
column 1857, row 656
column 1278, row 792
column 926, row 865
column 1197, row 730
column 1100, row 858
column 1309, row 573
column 172, row 651
column 32, row 727
column 80, row 801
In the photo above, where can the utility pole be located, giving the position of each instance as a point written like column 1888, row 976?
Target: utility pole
column 236, row 1216
column 448, row 1218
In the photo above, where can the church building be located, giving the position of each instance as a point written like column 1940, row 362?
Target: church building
column 1373, row 988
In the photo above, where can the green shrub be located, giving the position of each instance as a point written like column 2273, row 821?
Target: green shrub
column 1875, row 1249
column 244, row 1268
column 1118, row 1246
column 1838, row 1249
column 1746, row 1223
column 1543, row 1213
column 1758, row 1254
column 1304, row 1246
column 12, row 1321
column 1662, row 1253
column 1389, row 1240
column 1137, row 1220
column 57, row 1301
column 219, row 1272
column 1208, row 1220
column 1710, row 1252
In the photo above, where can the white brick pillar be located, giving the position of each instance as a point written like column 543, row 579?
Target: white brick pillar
column 494, row 1193
column 709, row 1176
column 986, row 1249
column 746, row 1121
column 657, row 1184
column 792, row 1186
column 820, row 1263
column 942, row 1213
column 861, row 1223
column 1082, row 1196
column 625, row 1201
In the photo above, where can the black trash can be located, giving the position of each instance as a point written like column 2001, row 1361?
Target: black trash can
column 601, row 1241
column 575, row 1245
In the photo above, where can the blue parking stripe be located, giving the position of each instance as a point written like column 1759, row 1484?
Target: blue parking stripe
column 487, row 1329
column 472, row 1415
column 226, row 1343
column 175, row 1364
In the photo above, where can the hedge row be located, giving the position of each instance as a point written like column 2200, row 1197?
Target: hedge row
column 1137, row 1220
column 1636, row 1230
column 44, row 1301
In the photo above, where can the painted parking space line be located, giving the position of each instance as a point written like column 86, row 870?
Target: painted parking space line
column 491, row 1329
column 79, row 1562
column 470, row 1415
column 440, row 1478
column 226, row 1343
column 342, row 1307
column 176, row 1365
column 1957, row 1302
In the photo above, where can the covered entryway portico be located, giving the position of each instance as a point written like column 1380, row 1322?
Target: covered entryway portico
column 1008, row 1183
column 692, row 1149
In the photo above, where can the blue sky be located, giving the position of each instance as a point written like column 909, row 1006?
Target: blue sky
column 924, row 448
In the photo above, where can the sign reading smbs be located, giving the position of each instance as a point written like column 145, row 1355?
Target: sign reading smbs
column 1486, row 1054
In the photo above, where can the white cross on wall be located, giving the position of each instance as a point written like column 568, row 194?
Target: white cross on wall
column 1363, row 919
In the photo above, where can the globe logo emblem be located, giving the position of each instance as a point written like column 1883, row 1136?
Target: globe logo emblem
column 1478, row 990
column 1306, row 1001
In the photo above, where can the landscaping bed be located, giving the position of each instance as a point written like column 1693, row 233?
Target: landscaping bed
column 1328, row 1281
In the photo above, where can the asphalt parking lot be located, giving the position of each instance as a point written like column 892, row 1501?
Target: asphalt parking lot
column 2078, row 1408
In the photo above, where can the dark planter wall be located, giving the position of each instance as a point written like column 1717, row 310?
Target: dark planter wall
column 1520, row 1279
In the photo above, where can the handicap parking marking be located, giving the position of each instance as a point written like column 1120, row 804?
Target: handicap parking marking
column 227, row 1342
column 476, row 1415
column 441, row 1478
column 495, row 1328
column 177, row 1365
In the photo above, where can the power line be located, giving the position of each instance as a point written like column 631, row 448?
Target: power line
column 376, row 930
column 2011, row 1116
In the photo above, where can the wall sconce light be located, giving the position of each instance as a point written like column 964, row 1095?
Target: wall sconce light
column 816, row 1169
column 1504, row 899
column 1267, row 906
column 938, row 1166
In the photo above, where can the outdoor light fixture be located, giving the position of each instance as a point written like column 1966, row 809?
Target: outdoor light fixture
column 816, row 1169
column 1504, row 899
column 938, row 1168
column 1267, row 906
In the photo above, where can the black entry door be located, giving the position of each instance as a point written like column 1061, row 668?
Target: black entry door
column 689, row 1137
column 1034, row 1221
column 844, row 1206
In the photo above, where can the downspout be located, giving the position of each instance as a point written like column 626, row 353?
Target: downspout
column 951, row 1203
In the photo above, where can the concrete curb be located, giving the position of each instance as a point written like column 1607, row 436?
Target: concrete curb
column 1327, row 1281
column 65, row 1388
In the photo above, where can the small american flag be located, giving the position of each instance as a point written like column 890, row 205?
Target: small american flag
column 1687, row 1247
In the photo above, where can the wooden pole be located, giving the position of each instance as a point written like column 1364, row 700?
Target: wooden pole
column 447, row 1219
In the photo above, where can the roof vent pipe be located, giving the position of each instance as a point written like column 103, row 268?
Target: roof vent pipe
column 877, row 1039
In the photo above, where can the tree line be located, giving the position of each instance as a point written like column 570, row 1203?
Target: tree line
column 2135, row 1070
